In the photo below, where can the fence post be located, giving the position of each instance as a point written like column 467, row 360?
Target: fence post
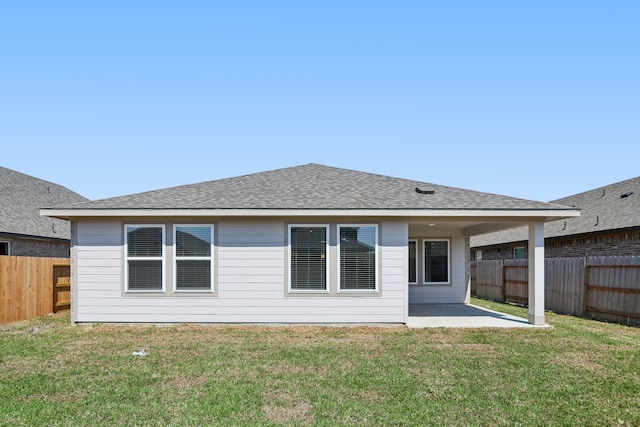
column 503, row 285
column 585, row 290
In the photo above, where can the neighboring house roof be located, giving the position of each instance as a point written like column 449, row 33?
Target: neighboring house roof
column 310, row 187
column 21, row 198
column 612, row 207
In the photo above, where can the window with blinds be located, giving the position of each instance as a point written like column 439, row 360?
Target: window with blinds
column 193, row 257
column 144, row 257
column 308, row 249
column 436, row 261
column 358, row 247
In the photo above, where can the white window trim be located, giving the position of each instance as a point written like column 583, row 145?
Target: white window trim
column 8, row 246
column 327, row 260
column 127, row 258
column 176, row 258
column 424, row 264
column 377, row 255
column 417, row 261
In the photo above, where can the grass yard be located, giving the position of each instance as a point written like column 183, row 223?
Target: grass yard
column 580, row 372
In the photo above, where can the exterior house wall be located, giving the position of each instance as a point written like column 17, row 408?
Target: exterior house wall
column 37, row 248
column 497, row 252
column 452, row 293
column 250, row 280
column 608, row 244
column 611, row 244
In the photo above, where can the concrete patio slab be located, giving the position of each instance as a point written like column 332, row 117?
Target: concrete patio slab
column 462, row 316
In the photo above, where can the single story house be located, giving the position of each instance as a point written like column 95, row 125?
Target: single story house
column 23, row 232
column 306, row 244
column 608, row 225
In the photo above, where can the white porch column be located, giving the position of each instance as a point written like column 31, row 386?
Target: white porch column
column 405, row 287
column 536, row 273
column 467, row 272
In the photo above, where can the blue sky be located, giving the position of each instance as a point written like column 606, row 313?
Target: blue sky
column 533, row 99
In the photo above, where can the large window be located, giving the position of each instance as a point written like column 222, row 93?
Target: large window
column 144, row 249
column 436, row 261
column 357, row 248
column 193, row 257
column 308, row 250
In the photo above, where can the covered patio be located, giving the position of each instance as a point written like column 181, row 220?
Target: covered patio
column 462, row 316
column 439, row 287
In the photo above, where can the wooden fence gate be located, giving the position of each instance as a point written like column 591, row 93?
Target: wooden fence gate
column 61, row 287
column 32, row 287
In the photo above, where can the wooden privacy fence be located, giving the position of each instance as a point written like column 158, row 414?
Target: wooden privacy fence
column 32, row 287
column 604, row 288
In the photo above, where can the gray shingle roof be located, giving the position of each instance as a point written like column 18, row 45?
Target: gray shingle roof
column 313, row 186
column 601, row 209
column 22, row 196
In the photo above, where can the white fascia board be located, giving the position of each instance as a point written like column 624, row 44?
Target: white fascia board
column 404, row 213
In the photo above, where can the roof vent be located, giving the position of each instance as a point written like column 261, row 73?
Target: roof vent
column 425, row 190
column 625, row 195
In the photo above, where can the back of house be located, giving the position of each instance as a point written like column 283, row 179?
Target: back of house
column 306, row 244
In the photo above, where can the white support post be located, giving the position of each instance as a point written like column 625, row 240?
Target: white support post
column 536, row 273
column 467, row 272
column 406, row 273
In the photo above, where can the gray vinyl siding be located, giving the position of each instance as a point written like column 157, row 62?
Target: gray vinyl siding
column 251, row 281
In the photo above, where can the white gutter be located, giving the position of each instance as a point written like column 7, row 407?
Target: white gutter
column 417, row 213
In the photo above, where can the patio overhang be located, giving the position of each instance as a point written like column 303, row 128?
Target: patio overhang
column 468, row 227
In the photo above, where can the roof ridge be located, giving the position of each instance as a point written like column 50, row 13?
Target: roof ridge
column 313, row 186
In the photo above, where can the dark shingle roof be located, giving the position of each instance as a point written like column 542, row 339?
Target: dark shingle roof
column 601, row 209
column 22, row 196
column 313, row 186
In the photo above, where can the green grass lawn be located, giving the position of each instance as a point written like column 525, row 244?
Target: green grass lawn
column 579, row 372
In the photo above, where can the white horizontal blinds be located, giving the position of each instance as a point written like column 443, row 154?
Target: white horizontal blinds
column 145, row 275
column 413, row 261
column 436, row 261
column 145, row 252
column 308, row 258
column 193, row 275
column 145, row 241
column 358, row 257
column 193, row 241
column 193, row 250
